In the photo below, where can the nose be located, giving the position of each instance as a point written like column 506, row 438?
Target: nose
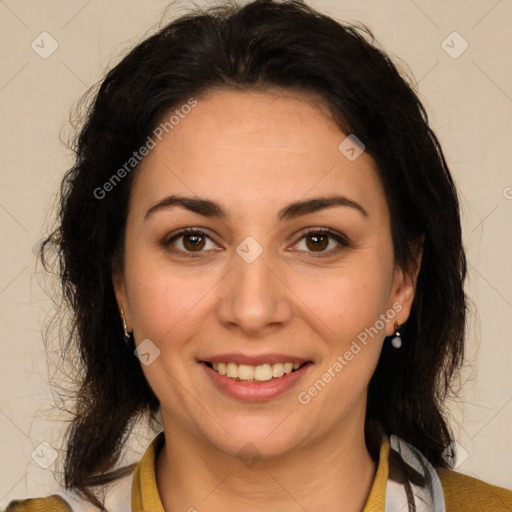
column 253, row 297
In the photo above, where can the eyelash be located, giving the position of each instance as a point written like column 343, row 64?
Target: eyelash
column 341, row 239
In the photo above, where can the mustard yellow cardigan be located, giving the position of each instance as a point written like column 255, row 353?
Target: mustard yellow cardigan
column 462, row 493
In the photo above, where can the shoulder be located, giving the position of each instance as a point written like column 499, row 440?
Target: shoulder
column 467, row 494
column 116, row 496
column 52, row 503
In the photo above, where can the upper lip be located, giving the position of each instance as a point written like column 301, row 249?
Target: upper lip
column 254, row 360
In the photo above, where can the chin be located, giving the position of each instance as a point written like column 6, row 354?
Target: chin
column 259, row 437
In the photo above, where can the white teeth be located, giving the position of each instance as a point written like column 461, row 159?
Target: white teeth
column 278, row 370
column 232, row 370
column 263, row 372
column 245, row 372
column 260, row 373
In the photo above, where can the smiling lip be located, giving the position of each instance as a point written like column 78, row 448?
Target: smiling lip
column 255, row 391
column 253, row 360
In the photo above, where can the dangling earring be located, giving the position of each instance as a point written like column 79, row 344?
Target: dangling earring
column 127, row 335
column 397, row 340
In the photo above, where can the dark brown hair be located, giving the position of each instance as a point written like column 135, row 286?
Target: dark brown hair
column 263, row 44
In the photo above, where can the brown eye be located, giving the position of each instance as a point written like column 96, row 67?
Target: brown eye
column 317, row 242
column 193, row 242
column 320, row 242
column 190, row 242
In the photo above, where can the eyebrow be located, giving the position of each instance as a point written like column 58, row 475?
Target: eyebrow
column 296, row 209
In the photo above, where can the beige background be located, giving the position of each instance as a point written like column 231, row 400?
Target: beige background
column 469, row 99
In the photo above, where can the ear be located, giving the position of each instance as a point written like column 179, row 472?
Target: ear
column 119, row 284
column 404, row 287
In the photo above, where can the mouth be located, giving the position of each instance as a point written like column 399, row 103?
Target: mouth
column 261, row 373
column 269, row 376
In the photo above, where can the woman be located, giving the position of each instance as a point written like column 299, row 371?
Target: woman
column 260, row 212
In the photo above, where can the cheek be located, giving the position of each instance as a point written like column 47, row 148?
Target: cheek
column 350, row 300
column 351, row 307
column 164, row 302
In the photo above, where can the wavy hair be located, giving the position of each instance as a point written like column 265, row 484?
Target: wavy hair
column 260, row 45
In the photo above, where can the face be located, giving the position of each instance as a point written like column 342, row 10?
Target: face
column 266, row 276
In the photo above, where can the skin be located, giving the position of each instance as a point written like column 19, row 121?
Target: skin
column 255, row 153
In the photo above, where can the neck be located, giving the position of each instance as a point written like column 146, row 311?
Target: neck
column 335, row 472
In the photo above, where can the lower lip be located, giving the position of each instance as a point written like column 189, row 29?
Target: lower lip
column 256, row 391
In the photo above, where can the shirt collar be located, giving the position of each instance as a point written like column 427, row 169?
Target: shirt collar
column 145, row 497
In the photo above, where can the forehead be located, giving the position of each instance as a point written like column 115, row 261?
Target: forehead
column 262, row 148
